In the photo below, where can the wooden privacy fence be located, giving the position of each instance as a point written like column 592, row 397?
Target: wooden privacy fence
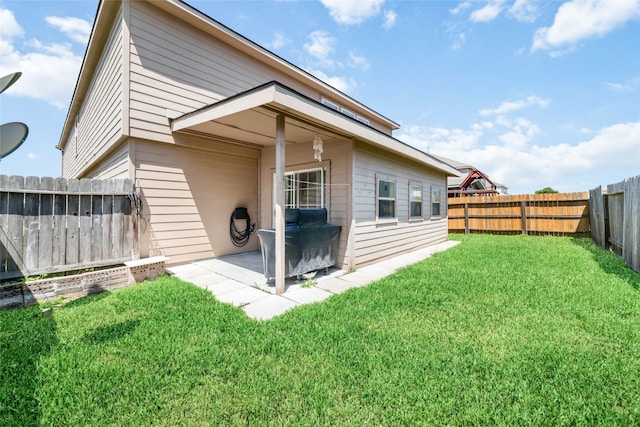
column 54, row 224
column 615, row 219
column 556, row 214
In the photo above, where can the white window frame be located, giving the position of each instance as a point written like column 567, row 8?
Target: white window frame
column 380, row 179
column 436, row 192
column 330, row 104
column 296, row 191
column 363, row 120
column 412, row 186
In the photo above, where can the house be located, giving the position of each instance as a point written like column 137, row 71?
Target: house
column 204, row 120
column 471, row 182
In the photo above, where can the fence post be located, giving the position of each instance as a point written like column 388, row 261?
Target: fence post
column 607, row 231
column 523, row 216
column 466, row 218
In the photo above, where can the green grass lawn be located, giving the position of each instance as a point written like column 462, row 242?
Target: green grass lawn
column 500, row 330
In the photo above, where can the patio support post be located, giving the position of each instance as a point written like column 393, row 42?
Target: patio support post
column 280, row 164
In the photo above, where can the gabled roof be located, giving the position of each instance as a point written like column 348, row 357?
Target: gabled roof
column 250, row 116
column 473, row 175
column 107, row 12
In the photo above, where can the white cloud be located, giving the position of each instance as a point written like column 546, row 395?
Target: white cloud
column 613, row 151
column 459, row 8
column 49, row 70
column 489, row 12
column 459, row 41
column 389, row 19
column 343, row 84
column 356, row 61
column 33, row 156
column 509, row 106
column 630, row 85
column 578, row 20
column 9, row 28
column 279, row 40
column 352, row 11
column 76, row 29
column 321, row 46
column 524, row 10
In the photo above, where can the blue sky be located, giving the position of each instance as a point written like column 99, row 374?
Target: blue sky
column 533, row 93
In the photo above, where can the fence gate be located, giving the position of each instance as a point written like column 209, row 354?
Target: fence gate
column 615, row 219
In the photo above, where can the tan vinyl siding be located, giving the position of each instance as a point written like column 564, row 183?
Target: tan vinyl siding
column 178, row 67
column 379, row 239
column 336, row 158
column 99, row 122
column 189, row 192
column 115, row 166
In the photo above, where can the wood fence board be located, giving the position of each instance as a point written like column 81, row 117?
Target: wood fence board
column 58, row 255
column 117, row 224
column 45, row 238
column 15, row 225
column 96, row 221
column 31, row 223
column 107, row 219
column 631, row 249
column 85, row 221
column 73, row 222
column 4, row 224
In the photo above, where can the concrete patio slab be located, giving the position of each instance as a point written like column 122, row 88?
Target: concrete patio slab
column 336, row 285
column 227, row 286
column 207, row 279
column 232, row 271
column 187, row 271
column 245, row 295
column 269, row 307
column 307, row 295
column 238, row 280
column 360, row 278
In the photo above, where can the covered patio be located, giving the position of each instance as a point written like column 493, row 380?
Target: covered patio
column 239, row 280
column 271, row 117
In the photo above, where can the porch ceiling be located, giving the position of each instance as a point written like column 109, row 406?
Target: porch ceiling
column 250, row 118
column 257, row 126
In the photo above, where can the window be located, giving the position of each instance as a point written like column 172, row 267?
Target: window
column 347, row 113
column 363, row 120
column 344, row 111
column 303, row 189
column 435, row 202
column 415, row 201
column 386, row 199
column 330, row 104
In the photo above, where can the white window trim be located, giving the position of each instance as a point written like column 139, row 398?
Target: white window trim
column 393, row 219
column 291, row 171
column 439, row 215
column 421, row 216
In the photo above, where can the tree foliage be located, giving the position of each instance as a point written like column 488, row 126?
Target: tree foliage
column 546, row 190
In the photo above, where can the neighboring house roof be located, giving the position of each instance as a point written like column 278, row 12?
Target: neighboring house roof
column 471, row 181
column 108, row 11
column 260, row 105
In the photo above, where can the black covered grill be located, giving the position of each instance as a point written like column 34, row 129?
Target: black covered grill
column 310, row 243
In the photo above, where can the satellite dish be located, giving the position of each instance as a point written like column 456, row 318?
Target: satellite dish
column 12, row 135
column 8, row 80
